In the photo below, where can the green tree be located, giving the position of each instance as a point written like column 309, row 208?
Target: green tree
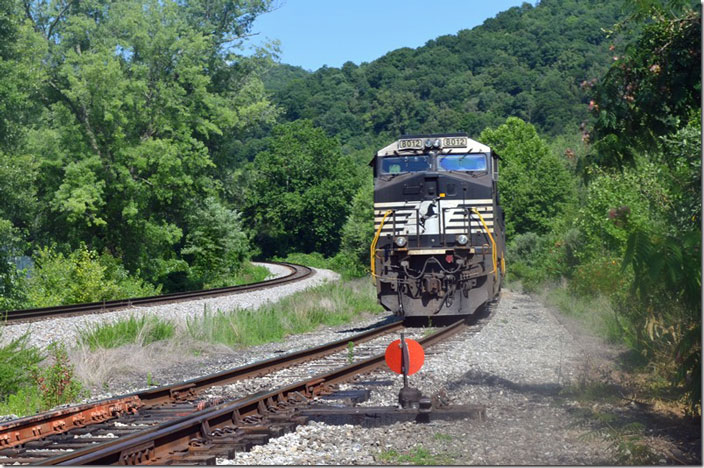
column 299, row 196
column 358, row 231
column 650, row 91
column 138, row 96
column 20, row 80
column 216, row 245
column 534, row 184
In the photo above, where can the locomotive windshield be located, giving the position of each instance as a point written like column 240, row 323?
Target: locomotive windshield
column 462, row 162
column 401, row 164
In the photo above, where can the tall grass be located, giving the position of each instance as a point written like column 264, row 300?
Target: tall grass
column 596, row 313
column 329, row 304
column 142, row 331
column 249, row 273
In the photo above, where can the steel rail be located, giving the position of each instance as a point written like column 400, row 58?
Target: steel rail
column 20, row 431
column 297, row 273
column 163, row 443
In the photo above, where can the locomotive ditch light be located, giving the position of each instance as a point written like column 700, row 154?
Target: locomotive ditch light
column 401, row 241
column 462, row 239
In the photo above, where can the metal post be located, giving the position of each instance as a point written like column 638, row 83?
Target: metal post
column 408, row 397
column 404, row 360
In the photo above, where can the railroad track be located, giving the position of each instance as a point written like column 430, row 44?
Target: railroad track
column 179, row 424
column 297, row 272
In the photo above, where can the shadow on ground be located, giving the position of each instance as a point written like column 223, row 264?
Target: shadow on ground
column 603, row 405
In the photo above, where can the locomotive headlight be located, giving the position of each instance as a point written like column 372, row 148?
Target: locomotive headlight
column 462, row 239
column 401, row 241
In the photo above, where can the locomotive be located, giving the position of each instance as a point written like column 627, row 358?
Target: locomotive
column 439, row 245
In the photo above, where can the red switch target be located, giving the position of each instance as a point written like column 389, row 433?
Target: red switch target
column 416, row 356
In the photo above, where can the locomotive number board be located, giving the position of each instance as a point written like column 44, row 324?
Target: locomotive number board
column 414, row 143
column 454, row 142
column 445, row 142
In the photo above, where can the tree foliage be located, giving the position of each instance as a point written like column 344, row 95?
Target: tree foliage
column 534, row 184
column 358, row 230
column 81, row 276
column 216, row 245
column 299, row 198
column 133, row 101
column 649, row 92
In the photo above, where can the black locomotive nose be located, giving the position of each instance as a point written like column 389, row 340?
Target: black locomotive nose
column 431, row 185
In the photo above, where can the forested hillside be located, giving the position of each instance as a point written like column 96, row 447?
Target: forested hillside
column 529, row 62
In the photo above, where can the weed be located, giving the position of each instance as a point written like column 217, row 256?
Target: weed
column 143, row 330
column 592, row 391
column 26, row 388
column 24, row 401
column 57, row 384
column 596, row 313
column 150, row 380
column 625, row 440
column 416, row 456
column 350, row 352
column 441, row 436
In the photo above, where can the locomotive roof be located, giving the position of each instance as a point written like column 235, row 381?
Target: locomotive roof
column 471, row 146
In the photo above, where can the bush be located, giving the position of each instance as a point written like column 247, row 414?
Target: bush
column 26, row 388
column 17, row 359
column 81, row 276
column 601, row 276
column 616, row 204
column 249, row 273
column 534, row 183
column 314, row 260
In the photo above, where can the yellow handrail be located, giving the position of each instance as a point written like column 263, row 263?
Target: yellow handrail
column 376, row 239
column 493, row 244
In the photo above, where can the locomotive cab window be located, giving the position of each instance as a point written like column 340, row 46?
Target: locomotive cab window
column 402, row 164
column 462, row 162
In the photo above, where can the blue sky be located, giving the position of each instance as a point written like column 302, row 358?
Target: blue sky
column 314, row 33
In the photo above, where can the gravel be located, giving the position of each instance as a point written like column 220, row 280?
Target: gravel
column 515, row 366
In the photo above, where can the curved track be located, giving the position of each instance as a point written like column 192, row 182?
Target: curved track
column 297, row 272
